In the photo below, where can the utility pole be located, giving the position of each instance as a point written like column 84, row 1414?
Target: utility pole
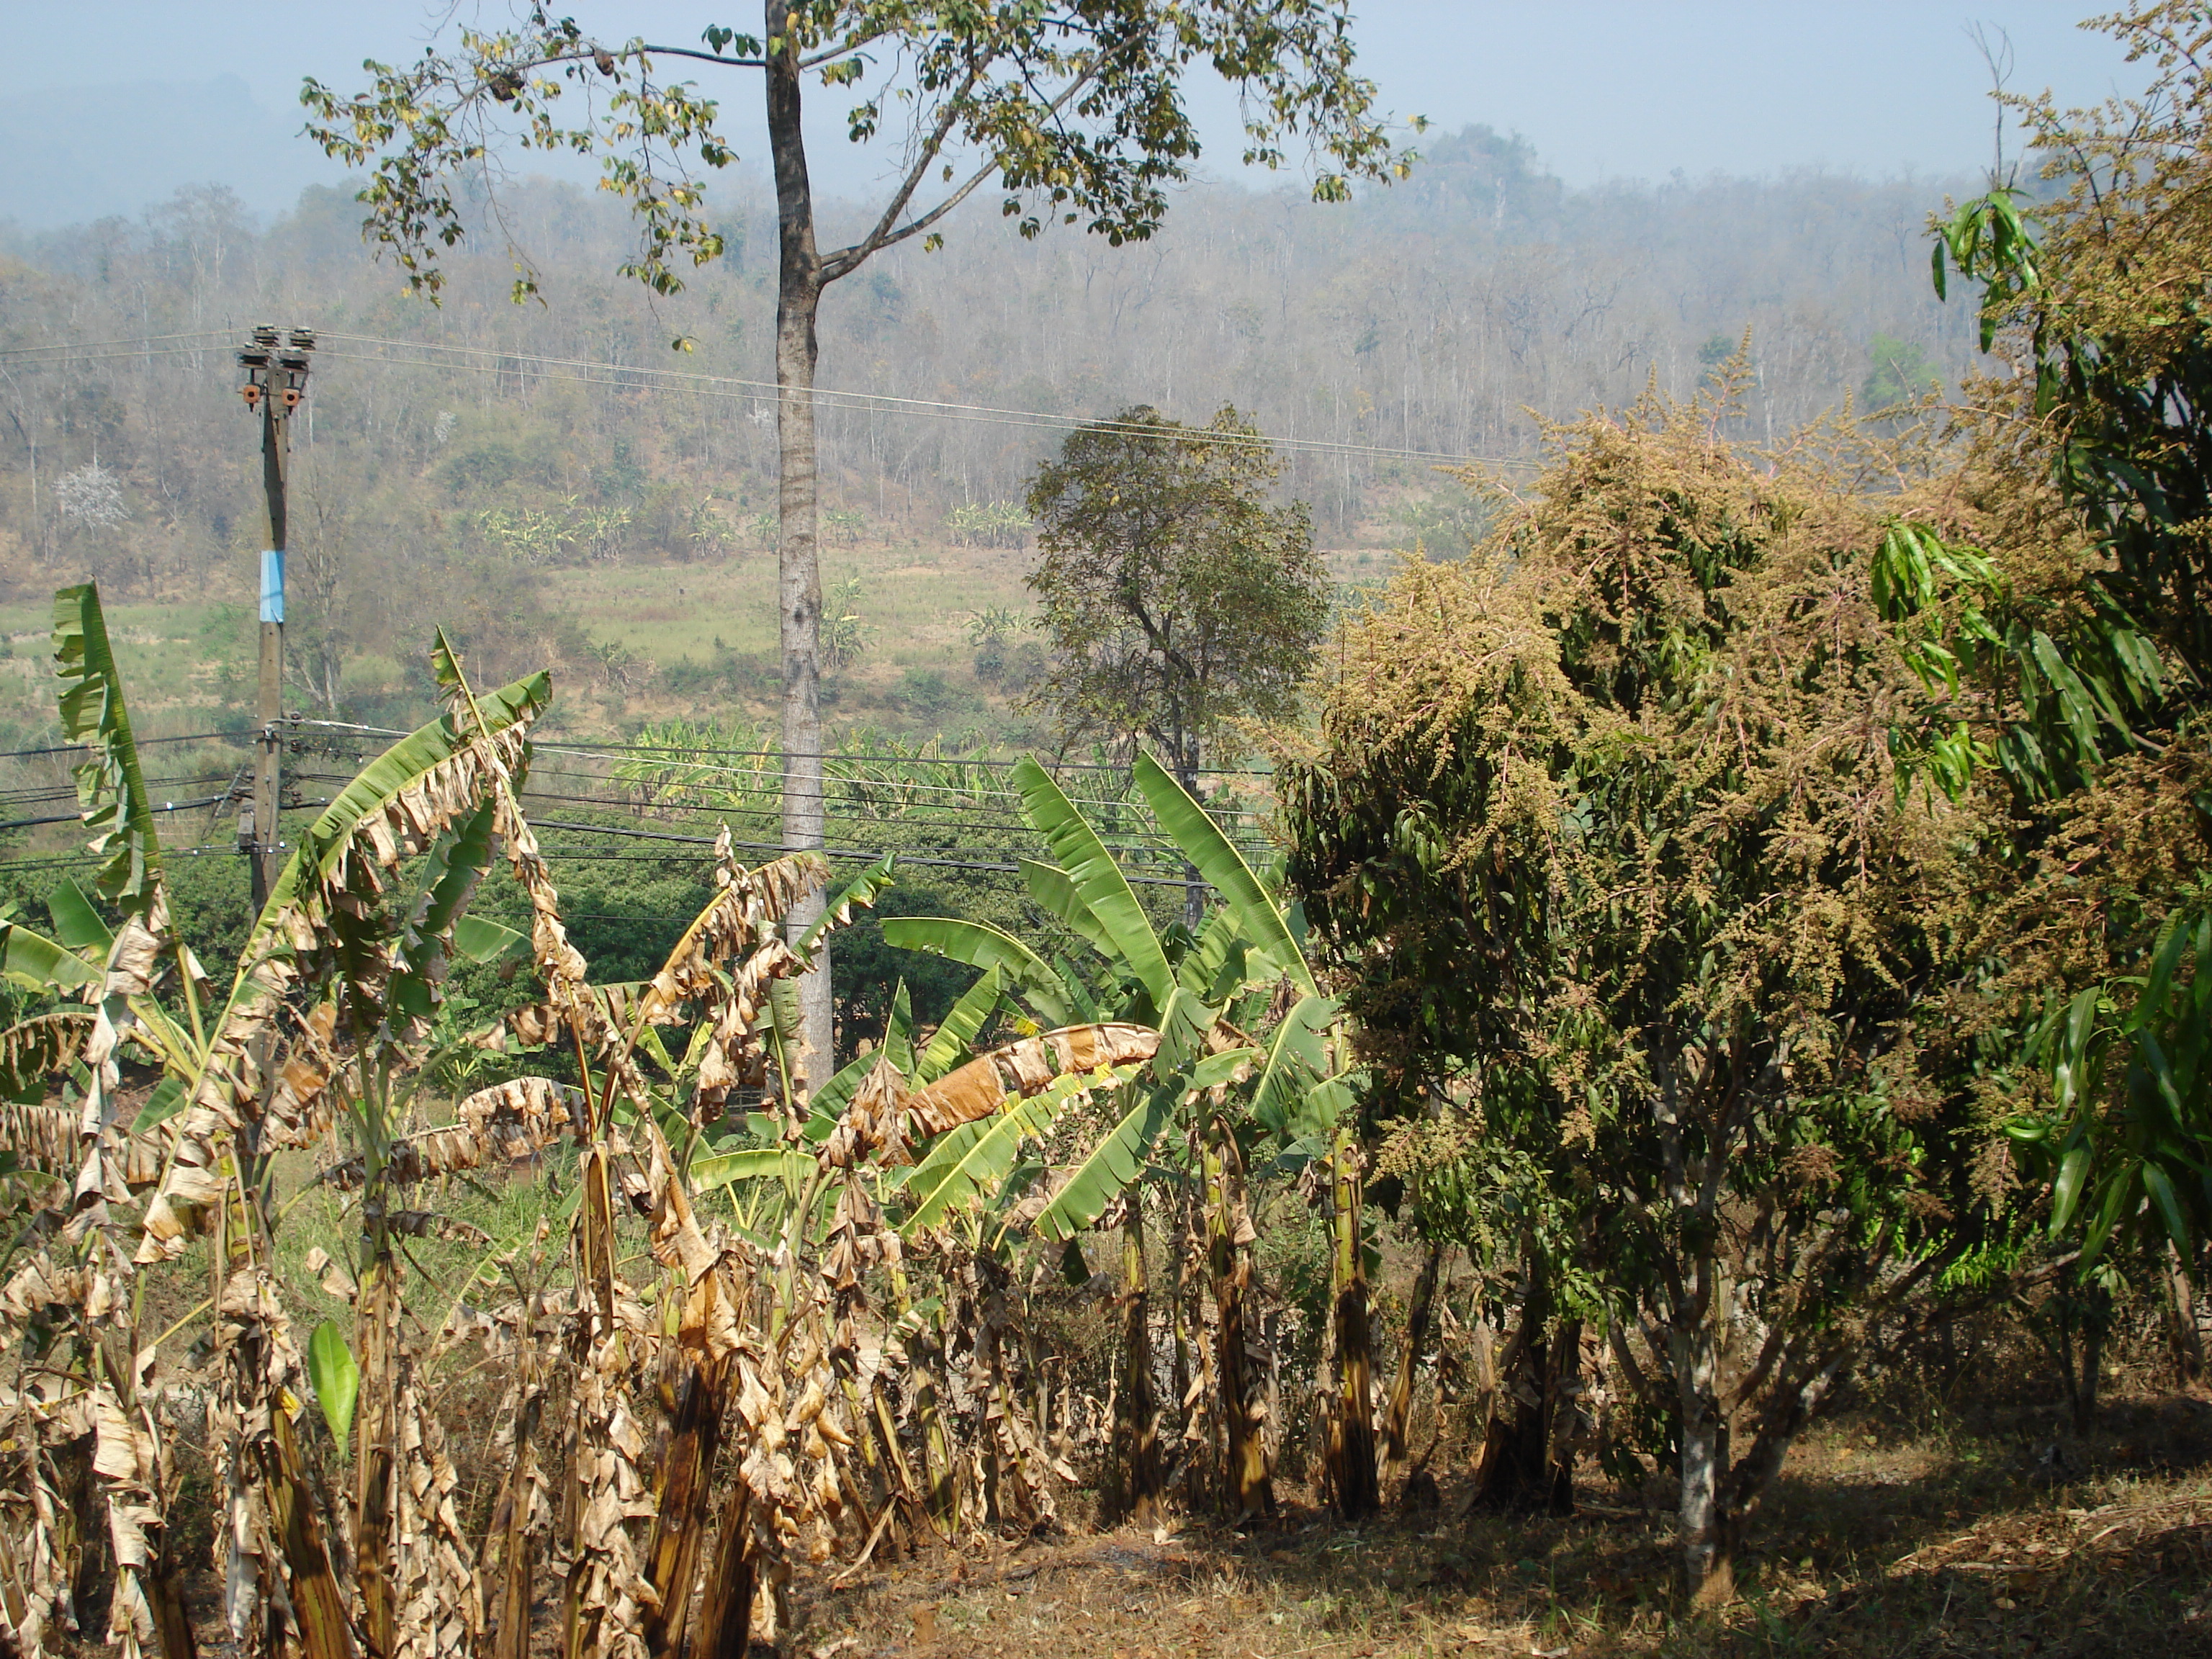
column 276, row 381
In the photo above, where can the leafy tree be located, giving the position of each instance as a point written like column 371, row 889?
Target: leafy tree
column 1605, row 840
column 1898, row 371
column 1077, row 115
column 1176, row 600
column 2089, row 481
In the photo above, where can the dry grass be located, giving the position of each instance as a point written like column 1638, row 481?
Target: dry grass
column 1955, row 1544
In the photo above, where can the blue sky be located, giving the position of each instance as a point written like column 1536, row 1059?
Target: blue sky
column 114, row 103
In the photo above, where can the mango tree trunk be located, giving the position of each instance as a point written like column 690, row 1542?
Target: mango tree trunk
column 1519, row 1471
column 1397, row 1421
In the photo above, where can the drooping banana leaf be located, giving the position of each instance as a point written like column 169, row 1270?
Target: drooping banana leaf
column 312, row 932
column 111, row 789
column 1113, row 1164
column 1296, row 1059
column 1098, row 880
column 971, row 1161
column 1215, row 858
column 752, row 1163
column 980, row 945
column 1055, row 894
column 861, row 892
column 77, row 925
column 38, row 963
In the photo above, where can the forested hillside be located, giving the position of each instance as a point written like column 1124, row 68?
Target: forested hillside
column 1420, row 324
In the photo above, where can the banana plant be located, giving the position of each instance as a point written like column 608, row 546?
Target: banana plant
column 1212, row 1090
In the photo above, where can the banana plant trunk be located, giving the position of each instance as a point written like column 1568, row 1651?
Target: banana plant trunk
column 375, row 1436
column 694, row 1392
column 1397, row 1421
column 1350, row 1446
column 799, row 574
column 1248, row 1490
column 1136, row 1428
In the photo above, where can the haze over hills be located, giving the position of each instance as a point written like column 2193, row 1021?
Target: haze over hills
column 546, row 446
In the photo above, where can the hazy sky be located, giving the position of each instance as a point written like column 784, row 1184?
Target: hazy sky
column 115, row 103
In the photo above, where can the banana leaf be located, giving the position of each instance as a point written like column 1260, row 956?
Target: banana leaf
column 948, row 1044
column 1112, row 1166
column 981, row 945
column 1098, row 880
column 1201, row 840
column 111, row 789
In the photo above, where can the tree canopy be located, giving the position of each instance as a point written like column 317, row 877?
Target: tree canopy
column 1177, row 601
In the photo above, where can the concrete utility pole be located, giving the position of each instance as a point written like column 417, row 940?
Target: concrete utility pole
column 276, row 381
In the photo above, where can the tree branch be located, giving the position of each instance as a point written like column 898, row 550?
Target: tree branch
column 704, row 57
column 846, row 260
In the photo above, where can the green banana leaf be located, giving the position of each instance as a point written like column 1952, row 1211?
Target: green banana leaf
column 1215, row 858
column 753, row 1163
column 981, row 945
column 836, row 910
column 950, row 1043
column 1098, row 880
column 971, row 1162
column 1055, row 894
column 457, row 859
column 1110, row 1169
column 38, row 963
column 111, row 789
column 77, row 924
column 1296, row 1057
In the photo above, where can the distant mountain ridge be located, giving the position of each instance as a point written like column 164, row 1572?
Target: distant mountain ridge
column 69, row 154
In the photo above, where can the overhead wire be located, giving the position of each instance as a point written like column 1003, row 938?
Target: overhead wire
column 714, row 386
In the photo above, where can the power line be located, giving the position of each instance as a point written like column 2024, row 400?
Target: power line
column 142, row 743
column 142, row 339
column 712, row 386
column 74, row 817
column 898, row 855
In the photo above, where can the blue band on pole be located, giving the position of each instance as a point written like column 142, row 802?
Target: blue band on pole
column 272, row 585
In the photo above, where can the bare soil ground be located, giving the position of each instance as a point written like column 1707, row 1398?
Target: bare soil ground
column 2010, row 1540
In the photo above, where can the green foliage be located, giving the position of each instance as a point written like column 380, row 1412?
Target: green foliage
column 1898, row 371
column 1605, row 843
column 1176, row 602
column 844, row 636
column 1081, row 116
column 336, row 1377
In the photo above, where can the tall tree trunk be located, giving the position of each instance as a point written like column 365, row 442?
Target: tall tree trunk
column 1397, row 1422
column 1703, row 1522
column 1350, row 1447
column 1136, row 1426
column 1249, row 1492
column 798, row 573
